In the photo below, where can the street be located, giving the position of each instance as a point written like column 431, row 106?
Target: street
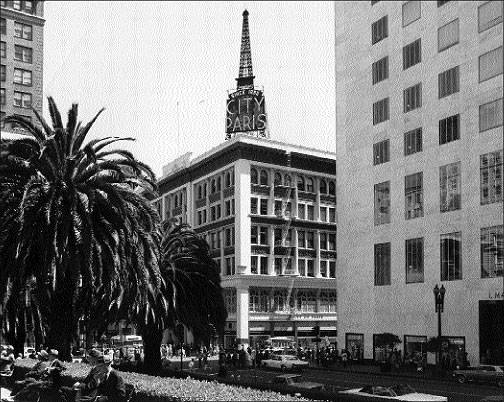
column 345, row 380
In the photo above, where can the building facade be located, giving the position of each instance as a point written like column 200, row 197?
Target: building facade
column 419, row 161
column 22, row 55
column 268, row 211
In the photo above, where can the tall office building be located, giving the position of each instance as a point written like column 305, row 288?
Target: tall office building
column 268, row 211
column 22, row 56
column 419, row 161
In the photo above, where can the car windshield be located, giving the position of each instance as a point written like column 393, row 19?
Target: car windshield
column 402, row 389
column 290, row 357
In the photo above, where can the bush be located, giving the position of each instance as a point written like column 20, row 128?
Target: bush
column 157, row 389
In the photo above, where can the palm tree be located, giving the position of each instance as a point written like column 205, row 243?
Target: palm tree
column 75, row 218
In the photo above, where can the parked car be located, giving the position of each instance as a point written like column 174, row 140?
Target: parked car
column 486, row 373
column 400, row 392
column 296, row 381
column 284, row 362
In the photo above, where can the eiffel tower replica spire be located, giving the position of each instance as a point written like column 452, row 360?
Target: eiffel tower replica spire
column 245, row 76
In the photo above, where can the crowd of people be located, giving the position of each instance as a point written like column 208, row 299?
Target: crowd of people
column 43, row 381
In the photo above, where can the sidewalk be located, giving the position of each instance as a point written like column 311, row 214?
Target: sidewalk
column 429, row 373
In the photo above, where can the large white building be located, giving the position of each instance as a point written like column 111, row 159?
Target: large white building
column 419, row 160
column 268, row 211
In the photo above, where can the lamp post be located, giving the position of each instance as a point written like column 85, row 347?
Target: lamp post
column 439, row 294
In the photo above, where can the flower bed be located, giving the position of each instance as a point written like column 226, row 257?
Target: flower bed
column 152, row 388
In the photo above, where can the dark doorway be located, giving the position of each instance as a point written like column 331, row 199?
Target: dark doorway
column 491, row 331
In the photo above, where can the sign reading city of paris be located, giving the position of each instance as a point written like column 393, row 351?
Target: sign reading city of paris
column 246, row 112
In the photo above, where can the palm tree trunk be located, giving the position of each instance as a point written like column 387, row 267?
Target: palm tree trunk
column 152, row 338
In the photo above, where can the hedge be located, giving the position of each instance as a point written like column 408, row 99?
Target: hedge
column 157, row 389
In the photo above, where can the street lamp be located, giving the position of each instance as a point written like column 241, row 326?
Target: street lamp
column 439, row 294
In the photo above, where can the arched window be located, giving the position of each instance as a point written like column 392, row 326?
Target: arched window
column 228, row 179
column 218, row 184
column 332, row 188
column 254, row 179
column 323, row 186
column 278, row 179
column 309, row 185
column 213, row 188
column 264, row 177
column 300, row 183
column 287, row 180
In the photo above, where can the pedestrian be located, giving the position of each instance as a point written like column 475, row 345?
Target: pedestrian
column 191, row 364
column 344, row 357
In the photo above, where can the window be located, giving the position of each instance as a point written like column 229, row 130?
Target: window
column 264, row 266
column 310, row 237
column 380, row 70
column 489, row 15
column 449, row 82
column 381, row 152
column 382, row 264
column 230, row 266
column 253, row 205
column 264, row 207
column 253, row 235
column 264, row 178
column 449, row 129
column 382, row 203
column 413, row 194
column 490, row 115
column 277, row 234
column 300, row 183
column 449, row 187
column 332, row 241
column 332, row 215
column 3, row 73
column 380, row 111
column 492, row 252
column 491, row 181
column 323, row 268
column 379, row 30
column 412, row 97
column 3, row 49
column 327, row 301
column 287, row 181
column 254, row 178
column 302, row 267
column 323, row 240
column 414, row 260
column 229, row 237
column 23, row 31
column 301, row 211
column 263, row 235
column 301, row 239
column 451, row 256
column 309, row 185
column 323, row 186
column 2, row 97
column 23, row 77
column 310, row 265
column 332, row 269
column 229, row 205
column 490, row 64
column 278, row 266
column 277, row 179
column 410, row 12
column 24, row 54
column 3, row 26
column 412, row 54
column 259, row 300
column 448, row 35
column 213, row 187
column 310, row 212
column 413, row 141
column 323, row 214
column 332, row 186
column 16, row 5
column 22, row 99
column 28, row 6
column 253, row 264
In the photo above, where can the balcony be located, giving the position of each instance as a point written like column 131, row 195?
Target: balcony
column 260, row 189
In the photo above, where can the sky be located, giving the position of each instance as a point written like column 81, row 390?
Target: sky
column 162, row 70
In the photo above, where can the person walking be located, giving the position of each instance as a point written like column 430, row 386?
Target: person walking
column 344, row 357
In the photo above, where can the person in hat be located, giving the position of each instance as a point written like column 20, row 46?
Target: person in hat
column 88, row 389
column 112, row 389
column 34, row 375
column 7, row 359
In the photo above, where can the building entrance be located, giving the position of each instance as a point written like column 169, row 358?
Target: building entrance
column 491, row 331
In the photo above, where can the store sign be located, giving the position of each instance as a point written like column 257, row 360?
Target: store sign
column 496, row 295
column 245, row 112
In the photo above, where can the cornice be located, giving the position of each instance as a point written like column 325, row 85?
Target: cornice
column 9, row 13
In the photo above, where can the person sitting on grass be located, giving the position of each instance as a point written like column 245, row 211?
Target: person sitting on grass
column 35, row 374
column 88, row 389
column 112, row 389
